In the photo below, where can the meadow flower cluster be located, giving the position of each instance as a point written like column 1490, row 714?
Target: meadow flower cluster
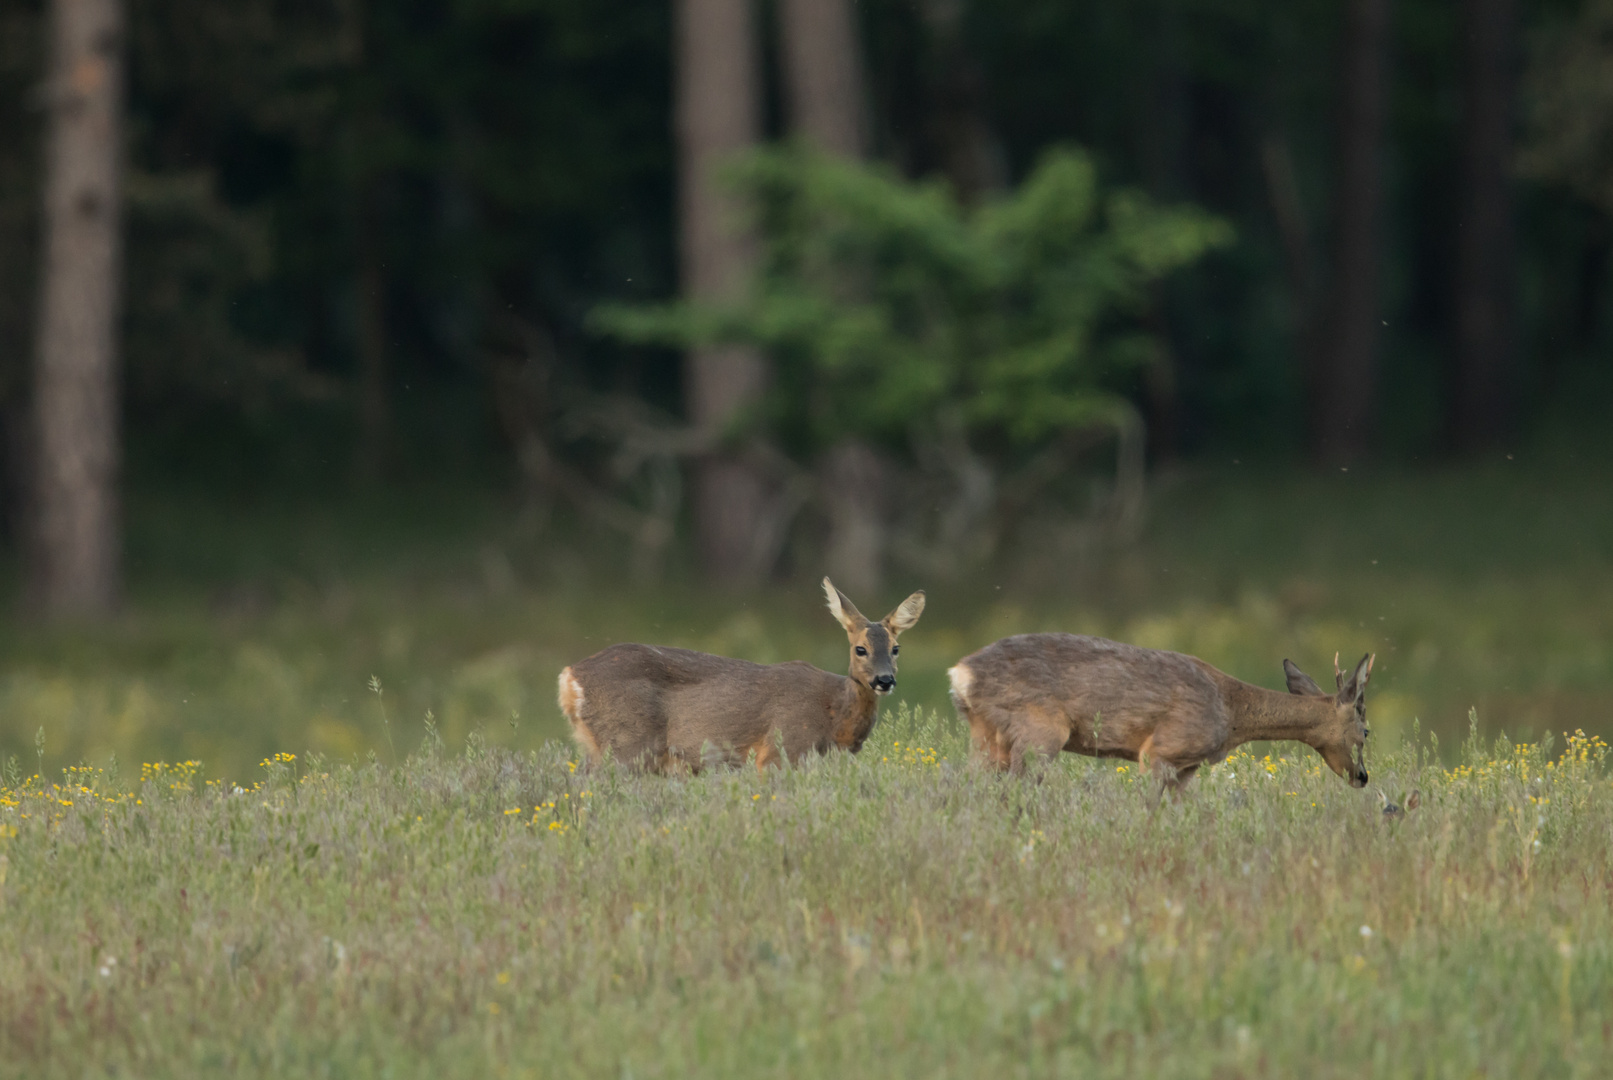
column 82, row 789
column 910, row 755
column 556, row 816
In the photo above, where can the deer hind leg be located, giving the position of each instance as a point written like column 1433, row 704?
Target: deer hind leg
column 989, row 742
column 1037, row 733
column 572, row 702
column 987, row 739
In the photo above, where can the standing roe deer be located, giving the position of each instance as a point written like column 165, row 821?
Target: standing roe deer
column 1049, row 692
column 659, row 708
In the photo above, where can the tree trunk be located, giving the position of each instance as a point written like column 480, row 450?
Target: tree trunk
column 1344, row 367
column 972, row 154
column 1483, row 391
column 856, row 484
column 1162, row 152
column 718, row 113
column 824, row 91
column 75, row 554
column 823, row 74
column 374, row 401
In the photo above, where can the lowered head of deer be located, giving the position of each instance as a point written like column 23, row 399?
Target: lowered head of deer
column 1341, row 739
column 873, row 644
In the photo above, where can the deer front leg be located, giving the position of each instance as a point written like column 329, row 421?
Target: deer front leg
column 1165, row 774
column 767, row 752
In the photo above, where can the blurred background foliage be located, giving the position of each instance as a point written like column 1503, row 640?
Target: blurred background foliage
column 492, row 162
column 376, row 423
column 888, row 307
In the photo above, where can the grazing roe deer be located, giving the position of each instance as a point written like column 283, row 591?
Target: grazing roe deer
column 1171, row 712
column 659, row 708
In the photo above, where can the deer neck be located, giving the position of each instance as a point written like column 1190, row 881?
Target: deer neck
column 854, row 713
column 1255, row 713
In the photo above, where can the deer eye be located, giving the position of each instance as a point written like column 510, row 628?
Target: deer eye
column 895, row 649
column 861, row 651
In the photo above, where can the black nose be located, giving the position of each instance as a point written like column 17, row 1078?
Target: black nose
column 1361, row 778
column 884, row 682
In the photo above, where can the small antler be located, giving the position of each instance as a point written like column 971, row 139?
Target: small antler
column 1338, row 673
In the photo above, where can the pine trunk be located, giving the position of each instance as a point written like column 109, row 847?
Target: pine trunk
column 971, row 152
column 75, row 554
column 857, row 485
column 823, row 74
column 1344, row 374
column 824, row 91
column 374, row 388
column 1483, row 392
column 718, row 107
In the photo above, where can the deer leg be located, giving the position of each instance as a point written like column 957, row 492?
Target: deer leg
column 1167, row 775
column 987, row 739
column 1038, row 734
column 767, row 753
column 1001, row 752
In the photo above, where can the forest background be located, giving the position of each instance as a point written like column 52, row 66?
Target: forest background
column 449, row 340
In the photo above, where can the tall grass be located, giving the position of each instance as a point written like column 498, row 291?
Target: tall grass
column 896, row 913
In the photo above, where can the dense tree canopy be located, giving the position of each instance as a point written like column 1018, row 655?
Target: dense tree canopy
column 334, row 202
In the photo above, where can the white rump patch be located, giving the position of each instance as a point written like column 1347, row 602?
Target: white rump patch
column 571, row 696
column 571, row 703
column 962, row 678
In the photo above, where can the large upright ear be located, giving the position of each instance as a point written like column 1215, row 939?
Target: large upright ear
column 906, row 614
column 1298, row 681
column 1355, row 687
column 844, row 611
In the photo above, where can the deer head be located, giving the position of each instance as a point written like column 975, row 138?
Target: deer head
column 1342, row 739
column 873, row 645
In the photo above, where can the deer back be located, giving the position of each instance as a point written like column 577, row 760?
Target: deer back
column 1108, row 696
column 655, row 706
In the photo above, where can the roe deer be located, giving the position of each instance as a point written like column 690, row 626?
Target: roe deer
column 660, row 708
column 1396, row 811
column 1049, row 692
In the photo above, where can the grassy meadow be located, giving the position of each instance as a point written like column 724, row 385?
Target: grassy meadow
column 900, row 913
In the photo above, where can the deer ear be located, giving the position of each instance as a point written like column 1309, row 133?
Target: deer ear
column 844, row 611
column 906, row 614
column 1298, row 681
column 1355, row 687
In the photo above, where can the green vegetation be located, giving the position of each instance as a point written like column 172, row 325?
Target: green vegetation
column 889, row 308
column 896, row 913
